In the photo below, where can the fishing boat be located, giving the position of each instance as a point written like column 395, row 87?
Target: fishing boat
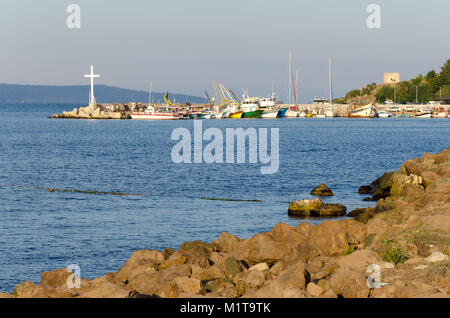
column 367, row 111
column 439, row 113
column 236, row 114
column 269, row 114
column 384, row 114
column 268, row 105
column 423, row 114
column 208, row 114
column 150, row 114
column 250, row 107
column 252, row 114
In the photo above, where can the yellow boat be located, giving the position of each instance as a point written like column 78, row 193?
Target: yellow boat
column 308, row 115
column 236, row 114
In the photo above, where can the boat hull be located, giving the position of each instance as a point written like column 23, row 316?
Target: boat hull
column 384, row 115
column 155, row 116
column 422, row 116
column 330, row 113
column 291, row 114
column 281, row 113
column 363, row 112
column 271, row 114
column 252, row 114
column 439, row 115
column 236, row 115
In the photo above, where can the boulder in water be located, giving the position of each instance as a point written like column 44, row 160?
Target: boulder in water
column 322, row 190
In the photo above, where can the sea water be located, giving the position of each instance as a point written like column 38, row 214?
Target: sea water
column 41, row 230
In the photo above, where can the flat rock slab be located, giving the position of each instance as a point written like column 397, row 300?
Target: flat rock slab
column 315, row 207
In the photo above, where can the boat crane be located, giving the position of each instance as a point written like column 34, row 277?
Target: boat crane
column 207, row 97
column 236, row 100
column 166, row 99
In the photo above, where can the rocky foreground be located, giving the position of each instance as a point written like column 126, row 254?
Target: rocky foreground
column 407, row 235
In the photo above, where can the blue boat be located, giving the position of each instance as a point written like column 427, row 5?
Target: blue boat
column 281, row 112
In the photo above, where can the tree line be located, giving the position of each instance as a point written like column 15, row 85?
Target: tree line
column 424, row 88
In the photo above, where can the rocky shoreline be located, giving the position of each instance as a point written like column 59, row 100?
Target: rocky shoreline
column 404, row 241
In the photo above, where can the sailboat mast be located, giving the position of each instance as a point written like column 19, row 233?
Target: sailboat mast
column 290, row 78
column 296, row 86
column 150, row 95
column 293, row 86
column 330, row 81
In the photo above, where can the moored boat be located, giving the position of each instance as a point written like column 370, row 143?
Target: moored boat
column 151, row 114
column 281, row 112
column 367, row 111
column 423, row 114
column 269, row 114
column 237, row 114
column 290, row 113
column 384, row 114
column 252, row 114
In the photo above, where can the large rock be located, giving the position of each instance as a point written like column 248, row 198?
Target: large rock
column 269, row 247
column 290, row 284
column 411, row 166
column 314, row 290
column 322, row 190
column 141, row 261
column 226, row 241
column 359, row 260
column 105, row 290
column 348, row 283
column 231, row 267
column 382, row 186
column 333, row 209
column 197, row 252
column 315, row 207
column 156, row 283
column 305, row 207
column 55, row 278
column 188, row 285
column 362, row 215
column 332, row 238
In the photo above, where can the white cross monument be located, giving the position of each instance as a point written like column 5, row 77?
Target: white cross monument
column 92, row 103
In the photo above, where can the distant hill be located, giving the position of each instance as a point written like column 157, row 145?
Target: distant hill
column 432, row 86
column 13, row 93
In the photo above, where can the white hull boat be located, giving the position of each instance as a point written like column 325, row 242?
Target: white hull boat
column 422, row 115
column 330, row 113
column 269, row 114
column 367, row 111
column 383, row 114
column 440, row 115
column 155, row 115
column 290, row 113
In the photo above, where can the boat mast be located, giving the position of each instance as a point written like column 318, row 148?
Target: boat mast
column 293, row 87
column 330, row 81
column 290, row 79
column 296, row 85
column 150, row 95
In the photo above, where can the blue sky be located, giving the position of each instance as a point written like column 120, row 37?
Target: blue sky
column 182, row 46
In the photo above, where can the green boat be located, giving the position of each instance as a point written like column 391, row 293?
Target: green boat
column 252, row 114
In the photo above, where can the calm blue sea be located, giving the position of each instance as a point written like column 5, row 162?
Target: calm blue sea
column 42, row 230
